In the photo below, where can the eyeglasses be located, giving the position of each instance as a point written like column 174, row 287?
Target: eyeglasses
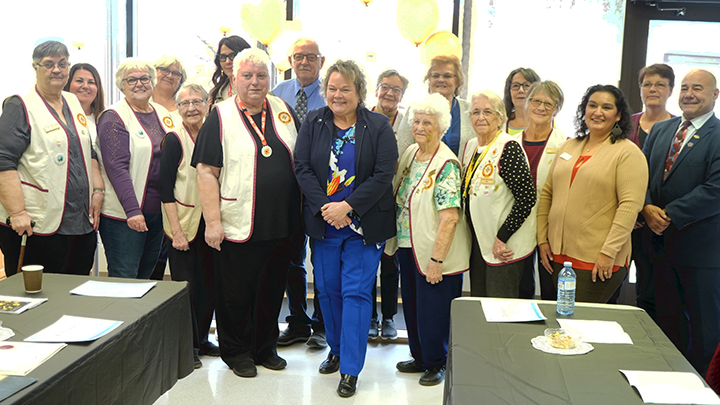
column 445, row 76
column 62, row 65
column 167, row 71
column 537, row 103
column 659, row 86
column 487, row 113
column 386, row 88
column 197, row 103
column 516, row 86
column 298, row 57
column 133, row 80
column 223, row 57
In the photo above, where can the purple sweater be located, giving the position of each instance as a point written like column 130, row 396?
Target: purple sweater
column 115, row 150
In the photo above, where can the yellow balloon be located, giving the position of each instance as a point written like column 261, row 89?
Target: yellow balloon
column 440, row 43
column 417, row 19
column 366, row 2
column 283, row 65
column 263, row 21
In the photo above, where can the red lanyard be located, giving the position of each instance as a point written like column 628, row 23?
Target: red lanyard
column 265, row 150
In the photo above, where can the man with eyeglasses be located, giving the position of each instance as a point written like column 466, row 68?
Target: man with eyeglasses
column 303, row 95
column 49, row 173
column 389, row 91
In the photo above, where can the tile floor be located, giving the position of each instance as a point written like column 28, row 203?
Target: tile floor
column 300, row 383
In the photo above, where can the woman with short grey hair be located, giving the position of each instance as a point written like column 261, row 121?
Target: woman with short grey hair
column 130, row 134
column 171, row 75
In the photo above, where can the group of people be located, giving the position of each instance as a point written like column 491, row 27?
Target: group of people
column 241, row 178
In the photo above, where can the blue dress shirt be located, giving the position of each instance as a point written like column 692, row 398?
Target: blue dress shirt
column 289, row 89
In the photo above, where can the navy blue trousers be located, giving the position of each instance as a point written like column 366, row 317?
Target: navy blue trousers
column 427, row 311
column 345, row 269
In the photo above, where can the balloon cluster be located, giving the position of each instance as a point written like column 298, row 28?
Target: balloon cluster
column 264, row 21
column 417, row 19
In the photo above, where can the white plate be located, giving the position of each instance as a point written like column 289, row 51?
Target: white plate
column 541, row 343
column 6, row 333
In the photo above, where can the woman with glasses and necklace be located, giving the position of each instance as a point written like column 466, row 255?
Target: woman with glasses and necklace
column 171, row 74
column 517, row 85
column 49, row 173
column 444, row 76
column 130, row 133
column 540, row 141
column 223, row 86
column 498, row 194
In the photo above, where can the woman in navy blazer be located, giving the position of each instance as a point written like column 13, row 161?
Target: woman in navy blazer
column 345, row 160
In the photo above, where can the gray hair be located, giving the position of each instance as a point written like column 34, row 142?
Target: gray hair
column 254, row 56
column 166, row 61
column 128, row 66
column 351, row 71
column 497, row 103
column 302, row 39
column 49, row 48
column 434, row 104
column 551, row 89
column 193, row 88
column 393, row 72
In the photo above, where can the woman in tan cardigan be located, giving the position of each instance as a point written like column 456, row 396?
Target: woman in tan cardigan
column 592, row 196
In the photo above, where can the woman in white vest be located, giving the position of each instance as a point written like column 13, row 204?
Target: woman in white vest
column 191, row 259
column 129, row 136
column 251, row 205
column 540, row 141
column 433, row 238
column 85, row 83
column 498, row 193
column 49, row 172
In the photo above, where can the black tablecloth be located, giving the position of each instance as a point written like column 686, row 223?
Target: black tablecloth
column 133, row 364
column 495, row 363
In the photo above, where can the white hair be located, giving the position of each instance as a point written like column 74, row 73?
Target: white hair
column 130, row 65
column 299, row 40
column 254, row 56
column 495, row 100
column 434, row 104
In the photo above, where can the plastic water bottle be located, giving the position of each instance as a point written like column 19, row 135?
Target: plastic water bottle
column 566, row 290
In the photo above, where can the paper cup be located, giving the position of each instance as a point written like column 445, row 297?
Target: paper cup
column 32, row 275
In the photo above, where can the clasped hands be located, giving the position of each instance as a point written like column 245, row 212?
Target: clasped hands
column 656, row 218
column 335, row 214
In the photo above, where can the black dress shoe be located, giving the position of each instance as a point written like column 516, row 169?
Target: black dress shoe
column 347, row 386
column 317, row 340
column 245, row 369
column 196, row 361
column 209, row 349
column 409, row 366
column 274, row 362
column 433, row 376
column 330, row 365
column 290, row 336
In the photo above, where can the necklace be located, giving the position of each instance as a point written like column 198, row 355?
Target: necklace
column 266, row 150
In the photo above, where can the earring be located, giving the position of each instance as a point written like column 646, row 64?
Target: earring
column 616, row 131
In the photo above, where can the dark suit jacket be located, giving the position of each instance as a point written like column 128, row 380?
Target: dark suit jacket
column 691, row 193
column 375, row 160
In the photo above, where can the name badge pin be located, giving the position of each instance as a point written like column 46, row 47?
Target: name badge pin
column 59, row 159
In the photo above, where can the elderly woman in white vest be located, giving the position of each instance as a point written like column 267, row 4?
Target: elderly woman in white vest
column 498, row 195
column 540, row 141
column 49, row 172
column 432, row 236
column 130, row 133
column 190, row 257
column 251, row 205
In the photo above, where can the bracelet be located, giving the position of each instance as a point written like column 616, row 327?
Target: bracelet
column 99, row 190
column 436, row 260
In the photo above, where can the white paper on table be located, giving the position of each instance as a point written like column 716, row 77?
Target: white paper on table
column 27, row 303
column 597, row 331
column 75, row 329
column 670, row 387
column 20, row 358
column 509, row 310
column 117, row 290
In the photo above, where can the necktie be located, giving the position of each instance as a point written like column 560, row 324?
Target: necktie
column 301, row 106
column 675, row 148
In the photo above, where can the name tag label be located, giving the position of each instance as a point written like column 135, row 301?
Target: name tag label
column 565, row 156
column 52, row 127
column 551, row 150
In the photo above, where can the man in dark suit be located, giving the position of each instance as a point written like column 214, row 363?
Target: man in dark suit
column 683, row 210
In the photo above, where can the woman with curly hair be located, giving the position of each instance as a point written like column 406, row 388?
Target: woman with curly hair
column 592, row 196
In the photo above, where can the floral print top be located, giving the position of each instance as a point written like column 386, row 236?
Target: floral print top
column 446, row 194
column 341, row 173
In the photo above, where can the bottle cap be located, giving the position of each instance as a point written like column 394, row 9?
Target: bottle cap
column 567, row 264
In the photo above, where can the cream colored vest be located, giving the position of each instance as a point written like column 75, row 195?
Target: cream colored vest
column 43, row 167
column 237, row 176
column 424, row 218
column 141, row 154
column 490, row 202
column 187, row 197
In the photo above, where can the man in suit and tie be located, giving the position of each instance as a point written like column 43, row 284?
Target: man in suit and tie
column 683, row 210
column 303, row 94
